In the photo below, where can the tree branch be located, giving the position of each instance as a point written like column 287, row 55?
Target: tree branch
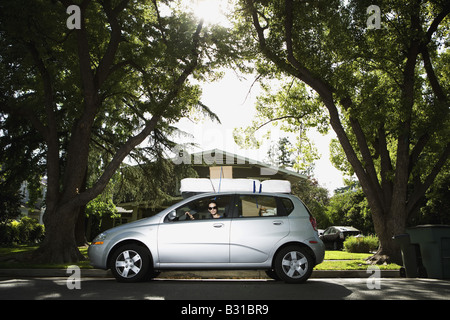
column 436, row 22
column 322, row 88
column 365, row 153
column 50, row 131
column 420, row 189
column 107, row 60
column 431, row 75
column 386, row 167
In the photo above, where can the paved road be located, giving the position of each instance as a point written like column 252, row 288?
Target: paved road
column 230, row 290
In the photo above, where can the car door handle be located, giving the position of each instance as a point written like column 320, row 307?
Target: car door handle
column 218, row 225
column 277, row 222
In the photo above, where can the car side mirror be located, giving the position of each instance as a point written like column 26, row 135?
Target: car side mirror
column 172, row 215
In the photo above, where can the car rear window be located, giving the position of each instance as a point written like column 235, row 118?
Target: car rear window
column 287, row 205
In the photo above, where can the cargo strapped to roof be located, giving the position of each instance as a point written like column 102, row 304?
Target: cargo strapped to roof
column 190, row 186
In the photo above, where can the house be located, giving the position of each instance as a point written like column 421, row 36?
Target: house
column 212, row 164
column 36, row 211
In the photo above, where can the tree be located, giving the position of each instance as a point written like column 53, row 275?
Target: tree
column 279, row 105
column 118, row 77
column 437, row 203
column 315, row 198
column 350, row 208
column 385, row 91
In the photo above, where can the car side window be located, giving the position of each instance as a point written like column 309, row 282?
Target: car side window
column 257, row 206
column 287, row 205
column 198, row 209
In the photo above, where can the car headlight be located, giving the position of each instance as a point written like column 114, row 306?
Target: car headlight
column 99, row 239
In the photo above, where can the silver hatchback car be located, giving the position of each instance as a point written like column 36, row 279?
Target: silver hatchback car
column 264, row 231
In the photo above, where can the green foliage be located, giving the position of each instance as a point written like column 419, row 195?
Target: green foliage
column 25, row 231
column 315, row 198
column 10, row 201
column 101, row 207
column 74, row 104
column 364, row 244
column 152, row 182
column 157, row 64
column 350, row 208
column 386, row 90
column 436, row 209
column 279, row 107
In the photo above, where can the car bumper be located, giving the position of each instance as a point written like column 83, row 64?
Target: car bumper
column 97, row 256
column 318, row 247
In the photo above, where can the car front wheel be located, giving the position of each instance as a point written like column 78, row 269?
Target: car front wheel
column 130, row 263
column 293, row 264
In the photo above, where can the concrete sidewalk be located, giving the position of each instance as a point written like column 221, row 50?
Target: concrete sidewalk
column 193, row 274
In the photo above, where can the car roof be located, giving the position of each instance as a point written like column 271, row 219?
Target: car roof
column 343, row 228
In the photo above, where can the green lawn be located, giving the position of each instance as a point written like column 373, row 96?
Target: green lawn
column 342, row 255
column 341, row 260
column 11, row 264
column 334, row 260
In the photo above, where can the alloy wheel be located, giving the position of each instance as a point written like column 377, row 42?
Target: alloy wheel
column 294, row 264
column 128, row 264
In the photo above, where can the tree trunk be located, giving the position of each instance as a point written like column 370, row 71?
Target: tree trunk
column 80, row 228
column 386, row 229
column 59, row 245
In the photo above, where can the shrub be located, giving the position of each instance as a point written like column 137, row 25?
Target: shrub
column 9, row 233
column 365, row 244
column 30, row 231
column 25, row 231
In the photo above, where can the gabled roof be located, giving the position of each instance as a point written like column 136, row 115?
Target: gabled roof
column 219, row 157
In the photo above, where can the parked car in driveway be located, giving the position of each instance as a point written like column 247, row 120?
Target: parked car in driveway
column 267, row 231
column 334, row 237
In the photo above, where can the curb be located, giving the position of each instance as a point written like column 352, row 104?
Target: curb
column 209, row 274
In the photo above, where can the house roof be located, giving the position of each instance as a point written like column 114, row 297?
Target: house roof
column 217, row 157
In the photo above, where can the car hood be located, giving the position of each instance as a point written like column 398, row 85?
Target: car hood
column 142, row 222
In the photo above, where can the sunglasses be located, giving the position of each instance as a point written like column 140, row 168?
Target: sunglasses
column 211, row 208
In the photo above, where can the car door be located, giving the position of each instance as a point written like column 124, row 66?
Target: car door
column 329, row 238
column 202, row 240
column 330, row 234
column 258, row 226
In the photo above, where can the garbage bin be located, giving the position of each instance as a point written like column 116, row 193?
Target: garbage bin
column 409, row 255
column 434, row 243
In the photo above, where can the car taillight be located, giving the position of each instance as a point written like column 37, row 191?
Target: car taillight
column 313, row 222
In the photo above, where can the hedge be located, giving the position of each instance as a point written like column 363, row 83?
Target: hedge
column 360, row 244
column 25, row 231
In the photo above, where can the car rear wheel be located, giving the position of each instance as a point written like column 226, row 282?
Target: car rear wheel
column 293, row 264
column 131, row 263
